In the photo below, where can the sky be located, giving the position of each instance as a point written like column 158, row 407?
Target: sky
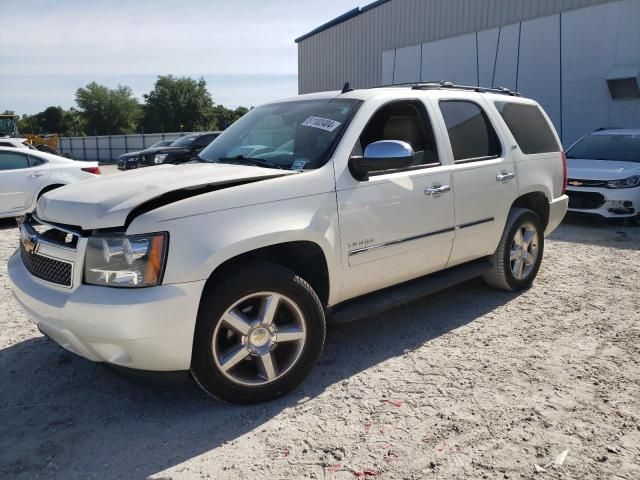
column 244, row 49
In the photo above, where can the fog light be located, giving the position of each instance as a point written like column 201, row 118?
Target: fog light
column 620, row 207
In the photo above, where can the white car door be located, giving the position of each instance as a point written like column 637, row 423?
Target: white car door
column 21, row 178
column 394, row 227
column 484, row 176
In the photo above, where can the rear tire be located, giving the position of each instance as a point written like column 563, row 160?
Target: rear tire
column 517, row 259
column 258, row 335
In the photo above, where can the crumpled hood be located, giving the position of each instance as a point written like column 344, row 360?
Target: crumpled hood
column 105, row 202
column 601, row 169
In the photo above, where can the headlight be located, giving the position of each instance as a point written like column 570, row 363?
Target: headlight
column 626, row 183
column 161, row 157
column 126, row 261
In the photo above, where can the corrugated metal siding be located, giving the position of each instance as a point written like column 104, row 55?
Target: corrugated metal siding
column 352, row 50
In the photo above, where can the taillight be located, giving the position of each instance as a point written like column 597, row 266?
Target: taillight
column 564, row 173
column 94, row 170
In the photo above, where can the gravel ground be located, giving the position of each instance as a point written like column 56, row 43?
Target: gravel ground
column 469, row 383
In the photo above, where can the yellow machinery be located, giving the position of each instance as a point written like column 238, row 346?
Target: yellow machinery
column 46, row 143
column 9, row 128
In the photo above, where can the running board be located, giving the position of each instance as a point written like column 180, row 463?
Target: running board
column 377, row 302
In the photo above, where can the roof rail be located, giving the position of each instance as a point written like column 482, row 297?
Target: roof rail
column 443, row 85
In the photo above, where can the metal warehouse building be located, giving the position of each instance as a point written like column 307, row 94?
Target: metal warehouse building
column 579, row 58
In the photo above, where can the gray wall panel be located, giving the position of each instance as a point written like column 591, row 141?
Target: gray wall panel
column 333, row 56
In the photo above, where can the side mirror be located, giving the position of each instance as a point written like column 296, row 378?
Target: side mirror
column 382, row 155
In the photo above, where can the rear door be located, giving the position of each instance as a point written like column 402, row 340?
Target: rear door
column 484, row 176
column 21, row 178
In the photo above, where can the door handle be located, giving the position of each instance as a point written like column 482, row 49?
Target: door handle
column 504, row 177
column 36, row 175
column 437, row 190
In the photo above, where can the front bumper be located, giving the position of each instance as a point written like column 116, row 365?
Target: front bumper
column 144, row 329
column 557, row 211
column 614, row 203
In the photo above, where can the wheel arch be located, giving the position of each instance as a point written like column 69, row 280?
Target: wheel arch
column 305, row 258
column 536, row 201
column 48, row 188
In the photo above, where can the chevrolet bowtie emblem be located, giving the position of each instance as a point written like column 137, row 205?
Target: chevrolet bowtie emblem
column 575, row 183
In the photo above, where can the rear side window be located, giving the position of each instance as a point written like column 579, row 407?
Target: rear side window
column 13, row 161
column 471, row 134
column 35, row 161
column 529, row 127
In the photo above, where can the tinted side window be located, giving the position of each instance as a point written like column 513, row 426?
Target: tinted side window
column 6, row 144
column 13, row 161
column 529, row 127
column 204, row 140
column 35, row 161
column 472, row 135
column 406, row 121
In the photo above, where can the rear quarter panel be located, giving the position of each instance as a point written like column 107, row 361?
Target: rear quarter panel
column 541, row 172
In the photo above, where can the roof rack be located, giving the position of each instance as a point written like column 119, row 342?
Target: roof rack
column 469, row 88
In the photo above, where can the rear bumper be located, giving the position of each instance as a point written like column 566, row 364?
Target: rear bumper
column 143, row 329
column 557, row 210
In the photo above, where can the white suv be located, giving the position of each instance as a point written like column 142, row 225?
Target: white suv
column 322, row 208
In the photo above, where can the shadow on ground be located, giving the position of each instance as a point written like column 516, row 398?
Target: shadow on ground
column 7, row 223
column 64, row 417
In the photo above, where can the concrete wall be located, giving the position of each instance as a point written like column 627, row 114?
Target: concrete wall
column 107, row 148
column 560, row 60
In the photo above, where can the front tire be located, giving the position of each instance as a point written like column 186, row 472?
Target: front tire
column 517, row 259
column 258, row 335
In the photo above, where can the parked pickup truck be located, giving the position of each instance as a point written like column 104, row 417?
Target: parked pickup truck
column 327, row 207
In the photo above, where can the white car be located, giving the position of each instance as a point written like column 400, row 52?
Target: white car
column 25, row 175
column 604, row 174
column 15, row 143
column 355, row 202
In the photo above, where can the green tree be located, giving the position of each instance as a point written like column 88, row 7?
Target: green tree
column 224, row 117
column 51, row 119
column 108, row 111
column 177, row 104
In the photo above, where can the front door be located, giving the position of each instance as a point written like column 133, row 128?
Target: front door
column 397, row 225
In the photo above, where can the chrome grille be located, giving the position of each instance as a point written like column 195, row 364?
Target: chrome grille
column 46, row 268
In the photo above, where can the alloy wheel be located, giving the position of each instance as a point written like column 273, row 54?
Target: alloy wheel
column 259, row 338
column 524, row 251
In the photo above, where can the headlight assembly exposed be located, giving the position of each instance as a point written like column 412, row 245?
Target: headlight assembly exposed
column 126, row 261
column 625, row 183
column 160, row 158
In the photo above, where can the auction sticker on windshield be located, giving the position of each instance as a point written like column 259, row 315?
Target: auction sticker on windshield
column 321, row 123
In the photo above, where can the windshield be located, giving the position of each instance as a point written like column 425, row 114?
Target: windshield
column 298, row 135
column 615, row 147
column 161, row 143
column 7, row 125
column 185, row 141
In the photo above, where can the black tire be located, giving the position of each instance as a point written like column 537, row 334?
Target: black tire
column 220, row 296
column 501, row 275
column 633, row 221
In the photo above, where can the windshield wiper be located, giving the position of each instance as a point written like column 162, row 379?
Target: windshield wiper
column 256, row 162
